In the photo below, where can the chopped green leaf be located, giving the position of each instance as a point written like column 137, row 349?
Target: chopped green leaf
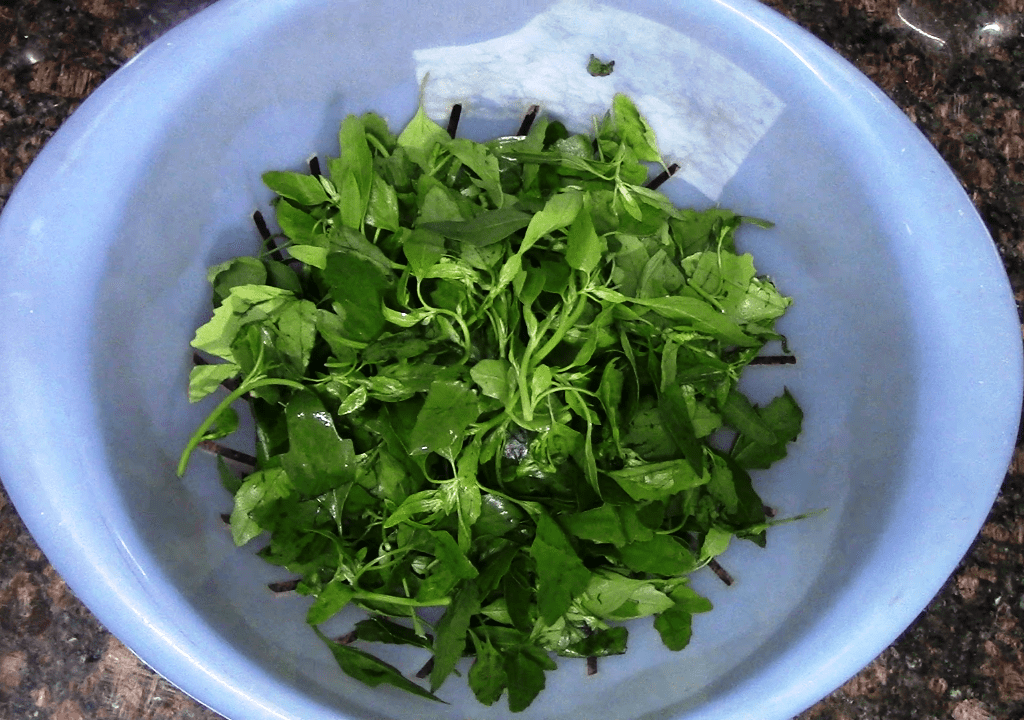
column 487, row 677
column 303, row 189
column 560, row 573
column 661, row 555
column 318, row 459
column 600, row 643
column 657, row 481
column 784, row 418
column 486, row 378
column 675, row 627
column 487, row 228
column 371, row 670
column 380, row 629
column 450, row 642
column 204, row 379
column 599, row 68
column 357, row 286
column 447, row 412
column 525, row 669
column 636, row 133
column 329, row 602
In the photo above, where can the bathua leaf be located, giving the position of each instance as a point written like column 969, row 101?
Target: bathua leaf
column 614, row 524
column 296, row 333
column 584, row 249
column 761, row 303
column 423, row 248
column 452, row 568
column 382, row 630
column 688, row 599
column 352, row 172
column 487, row 677
column 311, row 255
column 699, row 315
column 329, row 602
column 558, row 212
column 599, row 68
column 226, row 423
column 660, row 277
column 657, row 481
column 487, row 228
column 468, row 499
column 722, row 486
column 228, row 479
column 784, row 418
column 675, row 627
column 600, row 643
column 645, row 600
column 561, row 575
column 448, row 552
column 674, row 412
column 609, row 591
column 695, row 231
column 239, row 271
column 496, row 566
column 439, row 203
column 317, row 459
column 744, row 506
column 420, row 137
column 244, row 303
column 484, row 165
column 371, row 670
column 441, row 424
column 356, row 285
column 205, row 379
column 525, row 670
column 636, row 133
column 601, row 524
column 282, row 276
column 451, row 629
column 716, row 542
column 492, row 378
column 517, row 587
column 661, row 555
column 382, row 211
column 259, row 489
column 303, row 189
column 744, row 418
column 297, row 224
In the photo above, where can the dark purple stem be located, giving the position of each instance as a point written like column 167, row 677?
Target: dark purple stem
column 453, row 119
column 774, row 360
column 661, row 177
column 531, row 115
column 229, row 454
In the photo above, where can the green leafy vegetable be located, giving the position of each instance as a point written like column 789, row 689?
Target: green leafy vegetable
column 368, row 669
column 491, row 379
column 561, row 575
column 599, row 68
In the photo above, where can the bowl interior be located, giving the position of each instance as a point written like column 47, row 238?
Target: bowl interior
column 908, row 352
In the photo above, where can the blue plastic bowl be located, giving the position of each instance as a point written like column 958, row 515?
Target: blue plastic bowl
column 908, row 342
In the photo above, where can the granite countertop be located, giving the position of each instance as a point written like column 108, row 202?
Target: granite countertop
column 956, row 67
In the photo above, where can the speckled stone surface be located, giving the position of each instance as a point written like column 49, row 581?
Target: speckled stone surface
column 956, row 67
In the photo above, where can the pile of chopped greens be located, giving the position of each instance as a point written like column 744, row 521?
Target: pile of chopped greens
column 498, row 379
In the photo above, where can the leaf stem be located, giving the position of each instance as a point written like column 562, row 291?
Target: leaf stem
column 366, row 595
column 249, row 384
column 562, row 329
